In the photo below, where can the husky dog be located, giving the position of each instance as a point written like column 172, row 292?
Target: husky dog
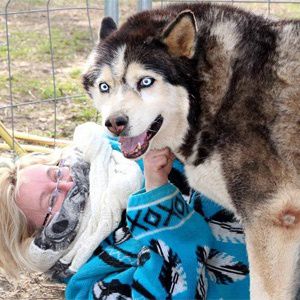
column 221, row 88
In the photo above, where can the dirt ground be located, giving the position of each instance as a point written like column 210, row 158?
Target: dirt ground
column 30, row 286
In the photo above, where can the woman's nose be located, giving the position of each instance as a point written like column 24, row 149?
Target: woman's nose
column 65, row 186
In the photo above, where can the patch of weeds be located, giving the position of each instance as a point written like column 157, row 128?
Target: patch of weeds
column 3, row 82
column 86, row 114
column 63, row 88
column 31, row 86
column 65, row 45
column 21, row 44
column 23, row 85
column 48, row 92
column 80, row 40
column 84, row 110
column 75, row 73
column 3, row 52
column 69, row 88
column 41, row 88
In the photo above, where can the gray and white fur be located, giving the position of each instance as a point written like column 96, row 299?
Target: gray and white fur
column 221, row 88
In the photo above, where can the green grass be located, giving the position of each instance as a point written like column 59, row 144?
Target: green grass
column 34, row 46
column 21, row 45
column 41, row 86
column 64, row 47
column 24, row 86
column 75, row 73
column 3, row 82
column 84, row 110
column 3, row 52
column 63, row 88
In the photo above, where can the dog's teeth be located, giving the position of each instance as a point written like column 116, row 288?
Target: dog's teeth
column 139, row 147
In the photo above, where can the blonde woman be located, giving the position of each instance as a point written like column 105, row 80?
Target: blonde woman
column 16, row 230
column 71, row 188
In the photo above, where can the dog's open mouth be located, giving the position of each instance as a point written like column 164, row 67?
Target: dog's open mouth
column 133, row 147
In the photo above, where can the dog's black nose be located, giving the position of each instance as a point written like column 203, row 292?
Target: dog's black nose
column 116, row 124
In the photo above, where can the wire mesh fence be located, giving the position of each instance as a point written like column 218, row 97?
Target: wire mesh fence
column 43, row 48
column 271, row 8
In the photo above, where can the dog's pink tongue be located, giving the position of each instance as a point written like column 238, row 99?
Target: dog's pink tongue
column 129, row 144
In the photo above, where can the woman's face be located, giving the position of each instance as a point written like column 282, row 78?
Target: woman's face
column 36, row 185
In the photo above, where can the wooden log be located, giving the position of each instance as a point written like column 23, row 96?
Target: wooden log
column 11, row 142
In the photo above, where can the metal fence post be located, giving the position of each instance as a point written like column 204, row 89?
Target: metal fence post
column 89, row 20
column 111, row 9
column 144, row 4
column 9, row 75
column 53, row 70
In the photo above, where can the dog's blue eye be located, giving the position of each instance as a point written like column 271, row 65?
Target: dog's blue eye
column 104, row 87
column 145, row 82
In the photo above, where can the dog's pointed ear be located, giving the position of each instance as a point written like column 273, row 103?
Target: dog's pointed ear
column 180, row 35
column 108, row 26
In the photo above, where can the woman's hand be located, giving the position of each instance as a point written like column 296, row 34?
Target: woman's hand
column 158, row 165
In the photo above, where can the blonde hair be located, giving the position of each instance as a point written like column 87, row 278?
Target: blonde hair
column 15, row 232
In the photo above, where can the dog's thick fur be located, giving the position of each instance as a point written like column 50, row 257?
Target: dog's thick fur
column 227, row 85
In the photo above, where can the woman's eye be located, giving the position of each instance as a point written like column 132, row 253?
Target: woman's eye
column 104, row 87
column 145, row 82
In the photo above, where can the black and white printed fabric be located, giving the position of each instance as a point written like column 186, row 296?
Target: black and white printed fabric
column 92, row 210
